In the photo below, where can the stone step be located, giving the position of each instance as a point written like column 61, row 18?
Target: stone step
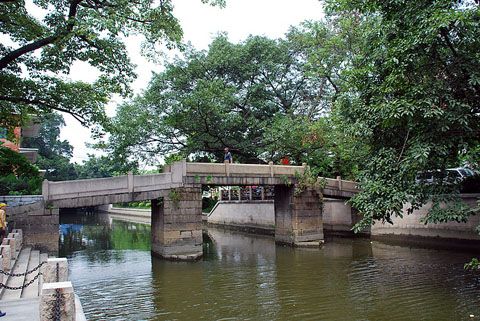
column 12, row 264
column 43, row 258
column 21, row 264
column 32, row 290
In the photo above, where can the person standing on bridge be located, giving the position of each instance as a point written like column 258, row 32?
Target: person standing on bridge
column 227, row 156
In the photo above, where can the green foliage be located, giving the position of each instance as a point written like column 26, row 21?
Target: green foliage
column 175, row 197
column 12, row 185
column 17, row 175
column 53, row 154
column 141, row 204
column 225, row 97
column 474, row 264
column 32, row 69
column 103, row 166
column 308, row 180
column 409, row 98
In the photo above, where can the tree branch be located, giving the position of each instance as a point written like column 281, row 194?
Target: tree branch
column 13, row 55
column 41, row 103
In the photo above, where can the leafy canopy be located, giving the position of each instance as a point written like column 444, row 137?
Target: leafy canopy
column 40, row 51
column 411, row 95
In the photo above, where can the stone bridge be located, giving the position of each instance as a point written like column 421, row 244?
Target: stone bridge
column 176, row 197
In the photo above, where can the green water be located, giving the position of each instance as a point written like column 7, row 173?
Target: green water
column 245, row 277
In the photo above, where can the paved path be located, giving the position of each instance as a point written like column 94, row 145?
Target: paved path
column 20, row 310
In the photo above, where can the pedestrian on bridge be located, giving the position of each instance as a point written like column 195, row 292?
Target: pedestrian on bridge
column 227, row 156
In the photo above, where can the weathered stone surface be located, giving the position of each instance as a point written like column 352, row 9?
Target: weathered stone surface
column 49, row 270
column 298, row 216
column 48, row 301
column 20, row 235
column 10, row 242
column 5, row 252
column 177, row 224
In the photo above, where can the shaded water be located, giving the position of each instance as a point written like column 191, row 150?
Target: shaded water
column 245, row 277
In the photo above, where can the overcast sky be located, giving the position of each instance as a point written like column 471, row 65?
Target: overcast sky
column 200, row 24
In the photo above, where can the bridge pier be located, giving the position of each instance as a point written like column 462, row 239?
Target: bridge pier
column 177, row 224
column 298, row 217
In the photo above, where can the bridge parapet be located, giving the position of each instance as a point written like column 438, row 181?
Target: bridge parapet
column 342, row 185
column 127, row 184
column 243, row 170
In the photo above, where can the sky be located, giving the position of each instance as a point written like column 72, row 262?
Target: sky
column 200, row 24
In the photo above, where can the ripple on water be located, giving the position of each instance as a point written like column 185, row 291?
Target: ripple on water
column 249, row 278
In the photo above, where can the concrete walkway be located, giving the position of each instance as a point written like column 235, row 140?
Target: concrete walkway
column 21, row 310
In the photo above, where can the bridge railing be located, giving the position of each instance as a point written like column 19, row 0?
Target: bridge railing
column 174, row 175
column 244, row 170
column 101, row 186
column 342, row 185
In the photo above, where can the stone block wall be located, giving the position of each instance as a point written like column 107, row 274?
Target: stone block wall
column 177, row 224
column 298, row 216
column 39, row 225
column 412, row 225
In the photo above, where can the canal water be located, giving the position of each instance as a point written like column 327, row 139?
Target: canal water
column 247, row 277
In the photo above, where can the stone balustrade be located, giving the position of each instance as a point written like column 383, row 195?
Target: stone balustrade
column 57, row 302
column 6, row 254
column 11, row 243
column 91, row 192
column 57, row 299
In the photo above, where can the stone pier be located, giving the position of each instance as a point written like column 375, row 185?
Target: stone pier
column 177, row 224
column 298, row 217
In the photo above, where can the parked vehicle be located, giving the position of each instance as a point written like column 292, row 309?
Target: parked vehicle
column 450, row 175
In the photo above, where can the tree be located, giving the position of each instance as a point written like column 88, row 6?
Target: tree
column 17, row 175
column 411, row 96
column 53, row 154
column 32, row 67
column 102, row 166
column 226, row 97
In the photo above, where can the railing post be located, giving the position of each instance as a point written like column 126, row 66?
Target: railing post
column 339, row 179
column 130, row 182
column 271, row 168
column 262, row 191
column 57, row 302
column 227, row 167
column 250, row 194
column 56, row 270
column 45, row 190
column 305, row 167
column 20, row 235
column 5, row 251
column 11, row 243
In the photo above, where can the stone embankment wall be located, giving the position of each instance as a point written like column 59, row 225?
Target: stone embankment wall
column 338, row 217
column 250, row 214
column 39, row 225
column 411, row 225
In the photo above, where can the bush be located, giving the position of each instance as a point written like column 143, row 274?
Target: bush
column 17, row 175
column 12, row 185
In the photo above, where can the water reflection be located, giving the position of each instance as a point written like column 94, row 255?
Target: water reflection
column 244, row 277
column 101, row 238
